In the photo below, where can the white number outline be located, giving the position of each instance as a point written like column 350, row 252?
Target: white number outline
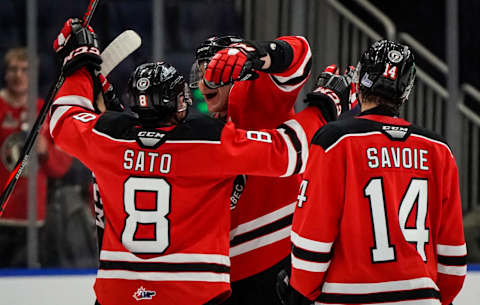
column 416, row 192
column 158, row 216
column 301, row 198
column 382, row 250
column 85, row 117
column 390, row 72
column 259, row 136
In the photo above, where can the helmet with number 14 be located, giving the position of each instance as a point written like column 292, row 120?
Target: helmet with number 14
column 387, row 70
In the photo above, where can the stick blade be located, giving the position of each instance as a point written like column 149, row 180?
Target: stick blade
column 122, row 46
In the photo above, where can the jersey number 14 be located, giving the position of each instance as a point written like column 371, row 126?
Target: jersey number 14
column 417, row 191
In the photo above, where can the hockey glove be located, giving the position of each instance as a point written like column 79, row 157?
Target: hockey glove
column 331, row 94
column 76, row 47
column 110, row 97
column 286, row 293
column 235, row 63
column 349, row 75
column 281, row 286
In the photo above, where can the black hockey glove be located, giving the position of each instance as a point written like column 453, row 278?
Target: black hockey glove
column 286, row 293
column 76, row 47
column 282, row 286
column 332, row 93
column 236, row 63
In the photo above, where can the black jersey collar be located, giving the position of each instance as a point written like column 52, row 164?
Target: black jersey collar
column 381, row 110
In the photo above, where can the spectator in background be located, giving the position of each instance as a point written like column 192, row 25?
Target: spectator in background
column 13, row 130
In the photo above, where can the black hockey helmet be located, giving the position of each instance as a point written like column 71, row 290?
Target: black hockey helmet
column 212, row 45
column 155, row 90
column 205, row 51
column 386, row 69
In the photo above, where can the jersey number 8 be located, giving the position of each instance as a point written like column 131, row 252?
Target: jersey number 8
column 156, row 217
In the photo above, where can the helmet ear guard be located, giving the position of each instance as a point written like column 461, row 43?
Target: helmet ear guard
column 386, row 69
column 196, row 75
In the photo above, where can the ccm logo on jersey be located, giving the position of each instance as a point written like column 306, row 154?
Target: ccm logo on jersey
column 395, row 132
column 150, row 139
column 151, row 134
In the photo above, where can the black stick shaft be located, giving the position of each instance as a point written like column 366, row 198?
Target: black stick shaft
column 33, row 135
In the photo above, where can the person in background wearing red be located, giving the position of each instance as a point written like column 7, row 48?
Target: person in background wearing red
column 13, row 130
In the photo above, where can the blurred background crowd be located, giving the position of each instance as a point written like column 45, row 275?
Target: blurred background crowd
column 49, row 222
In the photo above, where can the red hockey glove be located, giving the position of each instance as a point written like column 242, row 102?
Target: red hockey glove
column 76, row 47
column 331, row 94
column 235, row 63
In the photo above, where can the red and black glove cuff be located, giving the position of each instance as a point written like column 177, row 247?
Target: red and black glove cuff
column 77, row 47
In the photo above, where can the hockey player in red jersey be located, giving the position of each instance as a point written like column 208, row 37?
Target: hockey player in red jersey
column 255, row 85
column 164, row 177
column 378, row 217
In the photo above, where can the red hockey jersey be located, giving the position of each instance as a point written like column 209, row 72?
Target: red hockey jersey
column 166, row 192
column 378, row 218
column 55, row 163
column 262, row 217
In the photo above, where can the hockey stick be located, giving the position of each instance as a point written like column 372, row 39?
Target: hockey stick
column 32, row 136
column 122, row 46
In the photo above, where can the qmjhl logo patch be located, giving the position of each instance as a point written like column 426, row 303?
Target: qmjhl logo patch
column 143, row 294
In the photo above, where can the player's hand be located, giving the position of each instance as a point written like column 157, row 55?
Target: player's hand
column 281, row 286
column 235, row 63
column 76, row 47
column 349, row 75
column 331, row 93
column 110, row 98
